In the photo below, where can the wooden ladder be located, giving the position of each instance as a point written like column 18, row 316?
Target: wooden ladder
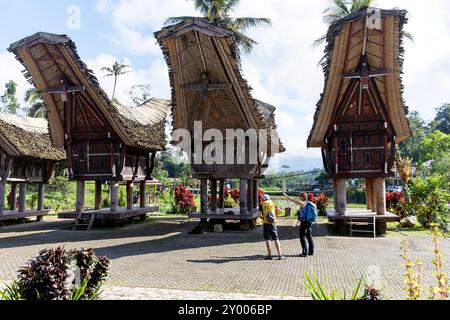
column 79, row 222
column 359, row 222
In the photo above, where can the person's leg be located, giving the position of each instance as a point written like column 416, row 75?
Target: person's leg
column 310, row 239
column 278, row 246
column 303, row 240
column 269, row 248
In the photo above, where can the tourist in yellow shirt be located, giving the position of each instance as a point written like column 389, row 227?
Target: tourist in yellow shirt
column 269, row 214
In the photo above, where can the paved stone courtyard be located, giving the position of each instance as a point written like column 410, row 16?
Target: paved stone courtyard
column 160, row 260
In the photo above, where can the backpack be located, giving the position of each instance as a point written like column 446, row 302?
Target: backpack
column 270, row 217
column 312, row 213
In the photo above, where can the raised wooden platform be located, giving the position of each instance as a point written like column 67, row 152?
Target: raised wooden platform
column 226, row 214
column 106, row 214
column 361, row 213
column 14, row 215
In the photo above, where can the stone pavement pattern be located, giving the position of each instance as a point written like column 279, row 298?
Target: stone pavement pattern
column 160, row 260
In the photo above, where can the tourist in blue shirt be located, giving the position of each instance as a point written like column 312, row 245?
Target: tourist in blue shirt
column 305, row 225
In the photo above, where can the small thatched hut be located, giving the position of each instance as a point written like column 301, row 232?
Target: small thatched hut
column 105, row 142
column 26, row 157
column 361, row 116
column 208, row 88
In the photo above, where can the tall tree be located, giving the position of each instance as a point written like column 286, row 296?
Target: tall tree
column 218, row 12
column 9, row 99
column 37, row 107
column 338, row 9
column 116, row 70
column 410, row 148
column 442, row 119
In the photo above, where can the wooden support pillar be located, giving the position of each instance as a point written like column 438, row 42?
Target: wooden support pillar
column 381, row 196
column 368, row 193
column 143, row 194
column 221, row 203
column 341, row 196
column 12, row 205
column 204, row 196
column 243, row 196
column 98, row 195
column 255, row 194
column 381, row 225
column 213, row 194
column 22, row 197
column 373, row 189
column 114, row 189
column 40, row 205
column 2, row 197
column 80, row 197
column 130, row 201
column 250, row 195
column 335, row 195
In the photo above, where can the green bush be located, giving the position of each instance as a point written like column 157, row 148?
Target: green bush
column 122, row 197
column 356, row 195
column 429, row 201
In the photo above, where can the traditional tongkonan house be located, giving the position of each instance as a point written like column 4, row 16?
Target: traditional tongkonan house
column 26, row 157
column 361, row 116
column 208, row 88
column 105, row 142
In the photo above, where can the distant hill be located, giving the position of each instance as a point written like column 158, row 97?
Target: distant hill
column 295, row 164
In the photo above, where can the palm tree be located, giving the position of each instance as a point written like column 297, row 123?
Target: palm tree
column 218, row 12
column 117, row 69
column 339, row 9
column 34, row 99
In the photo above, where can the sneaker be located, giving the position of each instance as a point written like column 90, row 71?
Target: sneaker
column 311, row 254
column 303, row 255
column 268, row 258
column 281, row 258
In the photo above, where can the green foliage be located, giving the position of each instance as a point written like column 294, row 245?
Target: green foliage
column 11, row 292
column 429, row 200
column 320, row 291
column 442, row 119
column 434, row 146
column 410, row 148
column 116, row 70
column 122, row 197
column 9, row 99
column 356, row 195
column 339, row 9
column 217, row 12
column 37, row 107
column 32, row 202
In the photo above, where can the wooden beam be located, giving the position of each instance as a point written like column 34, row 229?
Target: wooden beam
column 55, row 122
column 221, row 203
column 213, row 195
column 204, row 196
column 80, row 196
column 143, row 194
column 2, row 196
column 98, row 195
column 243, row 196
column 130, row 202
column 12, row 205
column 114, row 193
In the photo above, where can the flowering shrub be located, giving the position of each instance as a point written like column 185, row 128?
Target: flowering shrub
column 48, row 276
column 395, row 202
column 260, row 197
column 322, row 204
column 184, row 199
column 235, row 195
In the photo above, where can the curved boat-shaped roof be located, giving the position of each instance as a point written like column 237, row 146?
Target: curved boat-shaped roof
column 49, row 58
column 206, row 80
column 384, row 52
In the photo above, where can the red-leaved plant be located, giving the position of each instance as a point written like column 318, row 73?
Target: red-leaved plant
column 395, row 202
column 185, row 199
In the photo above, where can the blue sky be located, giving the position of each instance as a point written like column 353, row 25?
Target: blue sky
column 283, row 69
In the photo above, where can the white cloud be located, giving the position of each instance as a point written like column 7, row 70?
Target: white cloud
column 10, row 69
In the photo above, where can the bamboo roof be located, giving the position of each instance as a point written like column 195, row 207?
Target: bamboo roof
column 49, row 58
column 384, row 51
column 206, row 80
column 27, row 137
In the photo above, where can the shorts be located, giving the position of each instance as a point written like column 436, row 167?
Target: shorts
column 270, row 232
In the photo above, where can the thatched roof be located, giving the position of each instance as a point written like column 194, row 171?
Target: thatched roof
column 27, row 137
column 206, row 79
column 48, row 58
column 345, row 41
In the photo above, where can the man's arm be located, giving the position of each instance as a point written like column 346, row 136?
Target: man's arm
column 300, row 203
